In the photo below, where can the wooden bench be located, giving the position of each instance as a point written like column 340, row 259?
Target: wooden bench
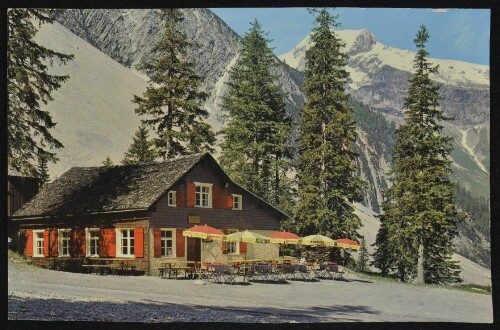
column 100, row 268
column 174, row 271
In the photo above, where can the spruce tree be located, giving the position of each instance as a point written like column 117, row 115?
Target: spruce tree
column 29, row 86
column 42, row 170
column 420, row 215
column 171, row 104
column 362, row 262
column 256, row 149
column 107, row 162
column 140, row 149
column 327, row 182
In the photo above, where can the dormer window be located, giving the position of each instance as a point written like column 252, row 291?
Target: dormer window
column 172, row 198
column 237, row 202
column 203, row 194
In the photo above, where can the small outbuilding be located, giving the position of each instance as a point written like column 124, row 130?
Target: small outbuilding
column 139, row 212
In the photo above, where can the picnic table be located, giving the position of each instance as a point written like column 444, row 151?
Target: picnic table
column 107, row 265
column 173, row 267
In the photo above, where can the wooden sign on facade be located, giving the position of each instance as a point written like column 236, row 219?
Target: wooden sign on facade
column 193, row 219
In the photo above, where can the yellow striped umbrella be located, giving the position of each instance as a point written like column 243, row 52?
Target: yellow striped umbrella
column 318, row 240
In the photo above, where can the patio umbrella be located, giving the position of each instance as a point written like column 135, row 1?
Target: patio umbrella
column 246, row 237
column 284, row 237
column 347, row 243
column 318, row 240
column 204, row 232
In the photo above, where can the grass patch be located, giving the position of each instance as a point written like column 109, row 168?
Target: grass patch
column 474, row 288
column 12, row 255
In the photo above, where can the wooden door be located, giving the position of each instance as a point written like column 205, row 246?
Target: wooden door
column 193, row 249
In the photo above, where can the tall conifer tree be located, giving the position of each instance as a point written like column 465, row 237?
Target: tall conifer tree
column 29, row 85
column 42, row 170
column 141, row 148
column 420, row 215
column 172, row 101
column 327, row 182
column 107, row 162
column 256, row 149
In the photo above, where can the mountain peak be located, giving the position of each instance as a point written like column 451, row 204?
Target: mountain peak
column 364, row 42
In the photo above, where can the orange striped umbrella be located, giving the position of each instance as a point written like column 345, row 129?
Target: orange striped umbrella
column 347, row 243
column 284, row 237
column 204, row 232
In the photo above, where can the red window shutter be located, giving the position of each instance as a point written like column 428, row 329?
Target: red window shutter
column 243, row 247
column 179, row 243
column 178, row 199
column 190, row 194
column 46, row 243
column 29, row 243
column 107, row 243
column 54, row 243
column 77, row 242
column 139, row 242
column 216, row 197
column 229, row 201
column 157, row 242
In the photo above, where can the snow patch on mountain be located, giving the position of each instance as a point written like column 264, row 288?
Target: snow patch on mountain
column 470, row 150
column 370, row 54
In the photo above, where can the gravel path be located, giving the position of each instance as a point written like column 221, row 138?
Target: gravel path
column 40, row 294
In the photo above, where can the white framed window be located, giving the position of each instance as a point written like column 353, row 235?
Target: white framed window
column 125, row 246
column 92, row 241
column 237, row 202
column 64, row 237
column 203, row 194
column 168, row 243
column 232, row 247
column 38, row 243
column 172, row 198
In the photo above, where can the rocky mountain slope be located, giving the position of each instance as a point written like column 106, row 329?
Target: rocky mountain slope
column 379, row 77
column 127, row 35
column 96, row 118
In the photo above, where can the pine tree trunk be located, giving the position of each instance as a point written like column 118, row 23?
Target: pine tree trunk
column 420, row 263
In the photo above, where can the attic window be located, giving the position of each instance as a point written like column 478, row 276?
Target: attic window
column 203, row 194
column 172, row 198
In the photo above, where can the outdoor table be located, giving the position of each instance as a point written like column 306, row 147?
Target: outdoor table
column 173, row 267
column 296, row 271
column 100, row 268
column 110, row 264
column 224, row 273
column 329, row 270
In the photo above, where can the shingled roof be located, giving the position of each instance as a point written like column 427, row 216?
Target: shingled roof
column 103, row 189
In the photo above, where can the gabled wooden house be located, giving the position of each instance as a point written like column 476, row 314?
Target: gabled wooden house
column 139, row 211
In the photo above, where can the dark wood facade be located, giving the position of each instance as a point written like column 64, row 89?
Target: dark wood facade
column 255, row 213
column 19, row 191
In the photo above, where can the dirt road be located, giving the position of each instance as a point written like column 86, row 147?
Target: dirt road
column 44, row 294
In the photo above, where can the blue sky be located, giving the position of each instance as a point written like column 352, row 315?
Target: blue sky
column 460, row 34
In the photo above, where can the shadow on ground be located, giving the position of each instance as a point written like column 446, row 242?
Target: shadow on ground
column 154, row 311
